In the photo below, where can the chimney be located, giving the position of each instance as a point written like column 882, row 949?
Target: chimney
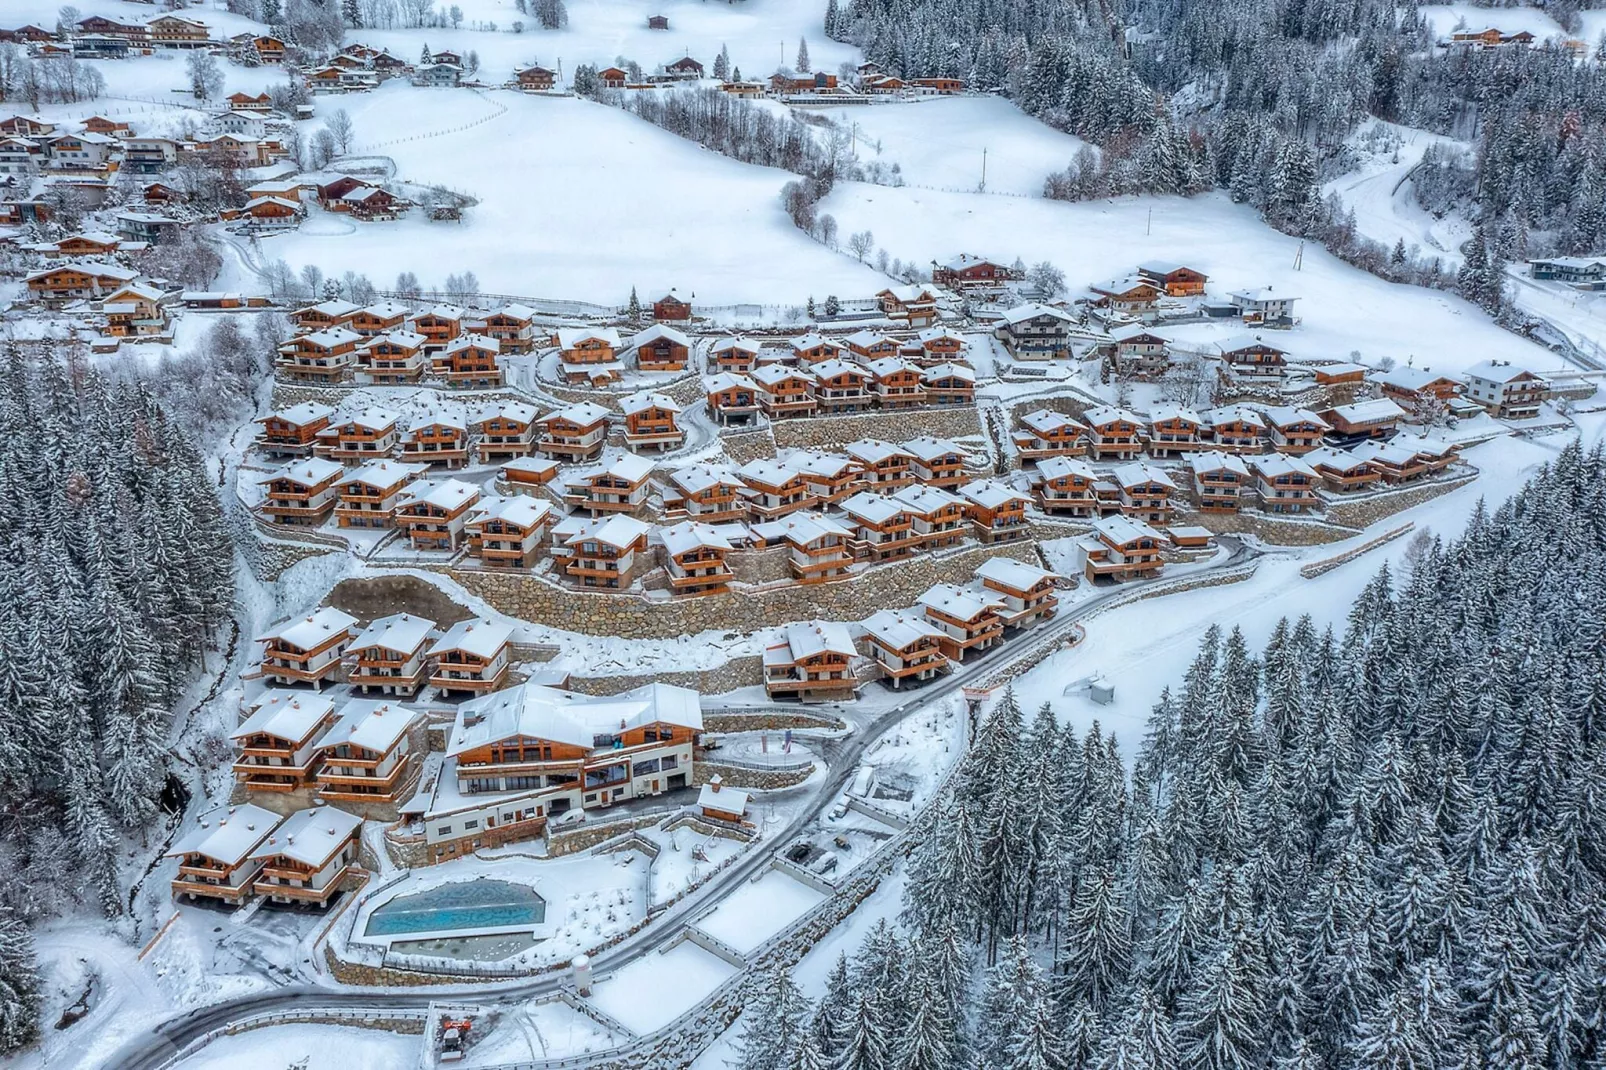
column 714, row 782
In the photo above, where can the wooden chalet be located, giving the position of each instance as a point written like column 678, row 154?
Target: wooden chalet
column 652, row 421
column 938, row 86
column 176, row 31
column 997, row 511
column 326, row 356
column 819, row 548
column 1293, row 430
column 469, row 360
column 1235, row 429
column 366, row 755
column 86, row 245
column 302, row 493
column 784, row 392
column 829, row 477
column 732, row 398
column 811, row 661
column 536, row 79
column 774, row 488
column 734, row 355
column 369, row 495
column 373, row 204
column 1113, row 433
column 1414, row 386
column 275, row 746
column 1121, row 548
column 940, row 517
column 394, row 358
column 589, row 356
column 135, row 311
column 613, row 78
column 966, row 272
column 214, row 853
column 471, row 658
column 1175, row 432
column 948, row 385
column 1343, row 471
column 812, row 348
column 1029, row 593
column 938, row 345
column 604, row 552
column 1285, row 484
column 1133, row 295
column 898, row 383
column 905, row 646
column 1145, row 492
column 306, row 859
column 505, row 429
column 970, row 619
column 1221, row 481
column 670, row 308
column 620, row 485
column 77, row 280
column 915, row 304
column 527, row 472
column 1035, row 332
column 871, row 345
column 937, row 462
column 432, row 512
column 437, row 438
column 388, row 656
column 1175, row 280
column 1137, row 351
column 694, row 558
column 883, row 527
column 840, row 386
column 293, row 432
column 575, row 433
column 711, row 494
column 1251, row 357
column 307, row 650
column 1376, row 418
column 1046, row 433
column 1065, row 486
column 271, row 212
column 381, row 317
column 508, row 531
column 513, row 327
column 1405, row 457
column 440, row 326
column 661, row 349
column 883, row 466
column 360, row 436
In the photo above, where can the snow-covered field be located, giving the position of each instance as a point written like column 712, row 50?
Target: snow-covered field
column 1447, row 17
column 324, row 1047
column 654, row 990
column 758, row 910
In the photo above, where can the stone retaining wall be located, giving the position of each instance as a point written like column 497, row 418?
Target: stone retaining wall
column 1278, row 531
column 769, row 721
column 745, row 446
column 893, row 425
column 741, row 776
column 1364, row 512
column 738, row 672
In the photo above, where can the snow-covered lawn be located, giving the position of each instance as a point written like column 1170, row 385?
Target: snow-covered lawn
column 1379, row 193
column 325, row 1047
column 656, row 989
column 551, row 1030
column 758, row 910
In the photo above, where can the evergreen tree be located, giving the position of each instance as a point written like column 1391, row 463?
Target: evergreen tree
column 19, row 984
column 802, row 55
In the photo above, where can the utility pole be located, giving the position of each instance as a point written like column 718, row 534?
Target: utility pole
column 1299, row 255
column 983, row 187
column 1148, row 224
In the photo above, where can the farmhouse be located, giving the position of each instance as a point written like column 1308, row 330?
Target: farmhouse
column 77, row 279
column 669, row 307
column 274, row 746
column 535, row 79
column 1176, row 280
column 1133, row 295
column 964, row 272
column 1036, row 332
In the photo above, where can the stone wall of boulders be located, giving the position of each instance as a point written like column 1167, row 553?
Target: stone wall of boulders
column 737, row 672
column 772, row 720
column 586, row 836
column 1278, row 531
column 1363, row 512
column 744, row 446
column 750, row 778
column 892, row 425
column 761, row 566
column 743, row 610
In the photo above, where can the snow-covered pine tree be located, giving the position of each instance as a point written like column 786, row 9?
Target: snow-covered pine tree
column 19, row 984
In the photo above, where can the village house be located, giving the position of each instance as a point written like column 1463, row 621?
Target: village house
column 774, row 488
column 996, row 510
column 1414, row 387
column 374, row 204
column 1046, row 433
column 366, row 755
column 938, row 345
column 436, row 438
column 1584, row 272
column 1405, row 457
column 19, row 156
column 300, row 494
column 575, row 433
column 812, row 348
column 948, row 385
column 536, row 79
column 1174, row 431
column 940, row 517
column 359, row 436
column 527, row 472
column 819, row 548
column 1235, row 429
column 1138, row 351
column 306, row 859
column 135, row 311
column 618, row 486
column 1121, row 548
column 79, row 152
column 1028, row 592
column 85, row 244
column 307, row 650
column 1264, row 307
column 906, row 646
column 784, row 392
column 323, row 316
column 1220, row 481
column 273, row 212
column 320, row 357
column 471, row 658
column 1035, row 332
column 1145, row 492
column 732, row 398
column 1113, row 433
column 915, row 304
column 275, row 746
column 390, row 359
column 139, row 229
column 661, row 349
column 214, row 855
column 1250, row 357
column 589, row 356
column 1132, row 296
column 1176, row 280
column 504, row 429
column 388, row 656
column 508, row 531
column 937, row 462
column 369, row 495
column 966, row 272
column 898, row 383
column 694, row 558
column 513, row 327
column 1294, row 430
column 1507, row 391
column 469, row 360
column 604, row 552
column 432, row 512
column 440, row 326
column 1064, row 485
column 29, row 126
column 669, row 307
column 1376, row 418
column 1343, row 471
column 811, row 661
column 176, row 31
column 292, row 432
column 968, row 618
column 868, row 345
column 438, row 75
column 840, row 386
column 883, row 527
column 651, row 420
column 707, row 493
column 612, row 78
column 1285, row 484
column 829, row 477
column 77, row 279
column 521, row 757
column 735, row 355
column 883, row 466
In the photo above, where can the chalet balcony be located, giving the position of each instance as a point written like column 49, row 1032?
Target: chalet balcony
column 226, row 892
column 901, row 397
column 265, row 885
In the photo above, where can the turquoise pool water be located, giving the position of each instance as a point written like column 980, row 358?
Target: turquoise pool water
column 476, row 904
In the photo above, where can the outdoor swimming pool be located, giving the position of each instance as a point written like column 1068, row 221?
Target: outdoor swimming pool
column 475, row 904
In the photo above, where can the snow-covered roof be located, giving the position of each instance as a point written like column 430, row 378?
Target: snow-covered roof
column 285, row 714
column 1059, row 466
column 258, row 202
column 300, row 415
column 372, row 724
column 1046, row 420
column 1233, row 414
column 937, row 334
column 1104, row 414
column 900, row 629
column 1016, row 575
column 1283, row 415
column 569, row 337
column 1261, row 296
column 371, row 418
column 1139, row 472
column 727, row 381
column 446, row 493
column 725, row 345
column 949, row 370
column 87, row 267
column 813, row 340
column 330, row 337
column 529, row 464
column 1022, row 313
column 480, row 638
column 923, row 498
column 400, row 339
column 865, row 339
column 1216, row 461
column 691, row 535
column 718, row 797
column 537, row 712
column 874, row 450
column 830, row 369
column 520, row 509
column 1271, row 465
column 1128, row 331
column 401, row 632
column 386, row 309
column 472, row 341
column 517, row 411
column 771, row 374
column 911, row 292
column 1123, row 529
column 385, row 473
column 514, row 310
column 768, row 471
column 1386, row 452
column 1406, row 377
column 1337, row 459
column 1497, row 371
column 451, row 417
column 1173, row 413
column 618, row 531
column 309, row 472
column 872, row 508
column 965, row 260
column 643, row 400
column 630, row 467
column 581, row 414
column 1245, row 340
column 1430, row 445
column 659, row 331
column 886, row 366
column 699, row 477
column 1160, row 267
column 226, row 835
column 802, row 528
column 1369, row 411
column 311, row 631
column 991, row 493
column 927, row 448
column 807, row 638
column 444, row 312
column 310, row 837
column 961, row 603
